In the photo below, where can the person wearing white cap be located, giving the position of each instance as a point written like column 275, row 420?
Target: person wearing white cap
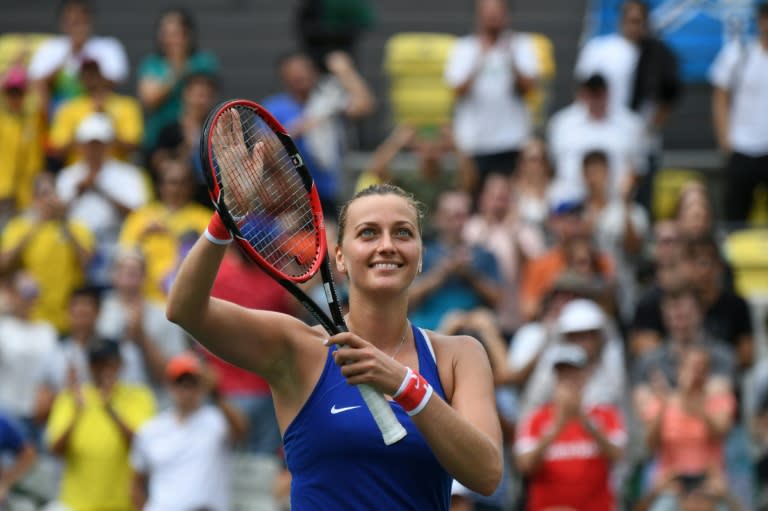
column 566, row 447
column 100, row 96
column 582, row 323
column 100, row 190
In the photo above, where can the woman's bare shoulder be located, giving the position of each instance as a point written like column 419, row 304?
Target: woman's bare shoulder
column 453, row 351
column 452, row 344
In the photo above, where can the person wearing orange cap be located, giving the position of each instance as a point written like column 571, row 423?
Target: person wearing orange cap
column 170, row 472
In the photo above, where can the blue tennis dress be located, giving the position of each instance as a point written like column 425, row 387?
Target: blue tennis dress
column 338, row 459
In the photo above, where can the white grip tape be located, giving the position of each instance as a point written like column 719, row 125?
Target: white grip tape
column 391, row 429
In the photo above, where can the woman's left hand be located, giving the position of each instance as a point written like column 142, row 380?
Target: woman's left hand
column 363, row 363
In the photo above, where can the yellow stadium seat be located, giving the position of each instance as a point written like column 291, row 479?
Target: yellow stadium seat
column 414, row 63
column 747, row 251
column 667, row 184
column 18, row 48
column 759, row 213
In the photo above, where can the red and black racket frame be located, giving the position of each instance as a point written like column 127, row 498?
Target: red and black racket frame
column 336, row 323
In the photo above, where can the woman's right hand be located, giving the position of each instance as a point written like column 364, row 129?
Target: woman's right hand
column 363, row 363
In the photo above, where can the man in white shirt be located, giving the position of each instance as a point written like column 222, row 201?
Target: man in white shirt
column 588, row 124
column 642, row 75
column 739, row 76
column 55, row 66
column 24, row 346
column 100, row 191
column 181, row 457
column 490, row 71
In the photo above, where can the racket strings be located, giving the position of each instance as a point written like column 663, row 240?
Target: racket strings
column 264, row 193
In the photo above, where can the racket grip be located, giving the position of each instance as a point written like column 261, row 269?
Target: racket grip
column 391, row 429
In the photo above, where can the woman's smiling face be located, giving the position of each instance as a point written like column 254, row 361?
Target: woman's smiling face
column 381, row 245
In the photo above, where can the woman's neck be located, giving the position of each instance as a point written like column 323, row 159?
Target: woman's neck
column 379, row 321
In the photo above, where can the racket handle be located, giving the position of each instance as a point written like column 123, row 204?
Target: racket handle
column 391, row 429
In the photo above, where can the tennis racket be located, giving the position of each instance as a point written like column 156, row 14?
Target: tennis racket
column 266, row 197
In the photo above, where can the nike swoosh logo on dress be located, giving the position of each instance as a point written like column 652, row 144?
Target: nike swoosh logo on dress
column 335, row 410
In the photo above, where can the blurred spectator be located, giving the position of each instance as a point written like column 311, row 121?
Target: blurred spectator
column 695, row 217
column 165, row 228
column 726, row 314
column 162, row 74
column 430, row 178
column 312, row 109
column 531, row 182
column 683, row 321
column 738, row 75
column 70, row 358
column 325, row 26
column 694, row 213
column 21, row 143
column 457, row 277
column 667, row 271
column 532, row 339
column 619, row 226
column 667, row 253
column 124, row 113
column 24, row 346
column 588, row 124
column 566, row 447
column 686, row 426
column 55, row 66
column 582, row 260
column 170, row 472
column 100, row 191
column 55, row 250
column 494, row 228
column 583, row 323
column 91, row 428
column 640, row 69
column 566, row 223
column 13, row 444
column 147, row 339
column 235, row 282
column 180, row 138
column 490, row 71
column 642, row 74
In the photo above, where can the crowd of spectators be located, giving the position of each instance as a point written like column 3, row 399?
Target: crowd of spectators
column 627, row 372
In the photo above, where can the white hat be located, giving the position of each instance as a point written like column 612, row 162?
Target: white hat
column 97, row 126
column 580, row 315
column 569, row 354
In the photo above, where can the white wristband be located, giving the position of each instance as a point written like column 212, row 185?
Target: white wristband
column 216, row 241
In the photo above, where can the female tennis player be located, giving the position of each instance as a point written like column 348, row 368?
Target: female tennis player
column 441, row 386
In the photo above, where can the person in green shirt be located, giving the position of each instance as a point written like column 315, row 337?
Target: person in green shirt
column 161, row 74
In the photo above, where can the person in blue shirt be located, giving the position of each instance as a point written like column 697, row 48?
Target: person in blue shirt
column 14, row 443
column 313, row 108
column 441, row 386
column 456, row 276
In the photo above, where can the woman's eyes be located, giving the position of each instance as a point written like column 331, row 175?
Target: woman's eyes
column 400, row 232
